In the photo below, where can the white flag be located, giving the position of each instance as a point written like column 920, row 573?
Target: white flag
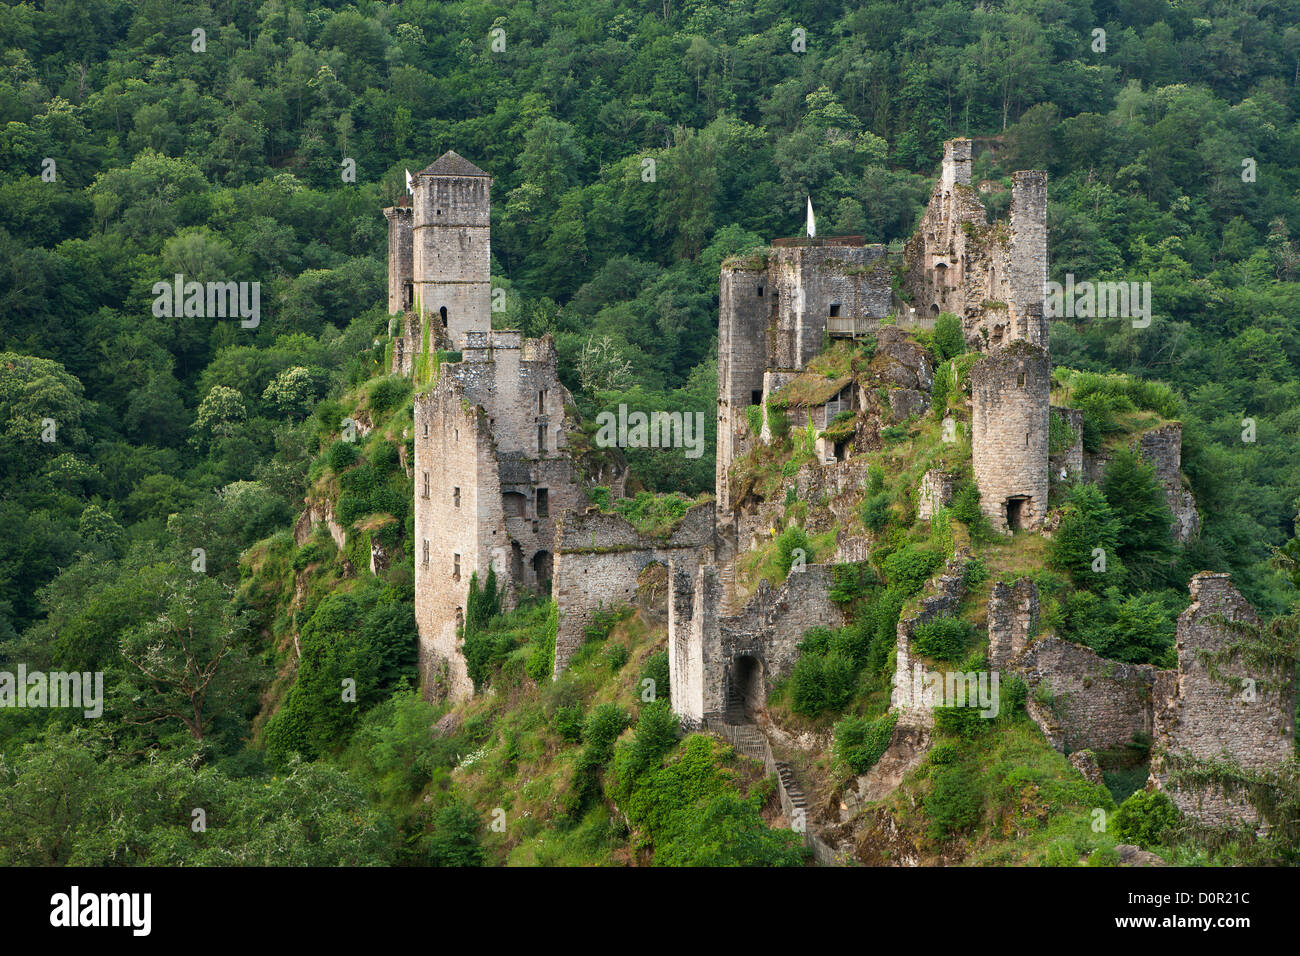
column 410, row 183
column 812, row 223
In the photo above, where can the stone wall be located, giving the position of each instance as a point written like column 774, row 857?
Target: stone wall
column 400, row 256
column 941, row 597
column 1211, row 717
column 1095, row 702
column 1163, row 448
column 1012, row 620
column 486, row 494
column 704, row 657
column 934, row 492
column 1010, row 406
column 599, row 557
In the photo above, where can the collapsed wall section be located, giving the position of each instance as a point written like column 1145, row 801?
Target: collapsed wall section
column 599, row 558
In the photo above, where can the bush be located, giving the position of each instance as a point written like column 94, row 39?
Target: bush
column 949, row 340
column 1145, row 818
column 860, row 742
column 942, row 638
column 454, row 841
column 875, row 512
column 943, row 753
column 754, row 418
column 788, row 541
column 341, row 455
column 974, row 574
column 1012, row 695
column 954, row 802
column 964, row 722
column 908, row 570
column 821, row 681
column 389, row 393
column 656, row 669
column 567, row 722
column 616, row 657
column 1088, row 523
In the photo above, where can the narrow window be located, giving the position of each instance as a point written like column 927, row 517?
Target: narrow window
column 541, row 439
column 760, row 292
column 443, row 313
column 543, row 503
column 455, row 497
column 455, row 567
column 426, row 484
column 1020, row 380
column 541, row 402
column 426, row 553
column 426, row 429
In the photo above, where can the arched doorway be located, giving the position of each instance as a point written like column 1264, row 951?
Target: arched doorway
column 542, row 564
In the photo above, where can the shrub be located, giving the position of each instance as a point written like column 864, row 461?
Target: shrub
column 389, row 393
column 908, row 570
column 788, row 541
column 567, row 722
column 954, row 802
column 1088, row 523
column 974, row 574
column 949, row 340
column 940, row 389
column 454, row 841
column 616, row 657
column 860, row 742
column 754, row 418
column 341, row 455
column 656, row 669
column 875, row 512
column 943, row 753
column 963, row 722
column 1012, row 695
column 821, row 681
column 1145, row 818
column 942, row 638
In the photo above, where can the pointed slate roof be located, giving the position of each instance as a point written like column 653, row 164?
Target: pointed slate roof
column 452, row 163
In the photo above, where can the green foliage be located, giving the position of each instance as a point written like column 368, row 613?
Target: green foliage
column 1138, row 501
column 954, row 803
column 656, row 669
column 942, row 638
column 1146, row 818
column 754, row 418
column 860, row 742
column 949, row 340
column 875, row 512
column 1088, row 524
column 909, row 568
column 454, row 841
column 1060, row 435
column 793, row 539
column 973, row 574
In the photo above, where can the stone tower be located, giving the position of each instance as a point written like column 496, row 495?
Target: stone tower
column 1028, row 255
column 400, row 269
column 451, row 249
column 1010, row 410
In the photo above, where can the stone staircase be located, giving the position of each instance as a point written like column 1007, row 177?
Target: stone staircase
column 727, row 577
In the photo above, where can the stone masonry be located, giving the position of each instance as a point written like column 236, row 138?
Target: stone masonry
column 1220, row 717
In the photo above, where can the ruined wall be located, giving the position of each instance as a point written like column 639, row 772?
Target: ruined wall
column 599, row 557
column 1068, row 462
column 767, row 629
column 452, row 254
column 743, row 312
column 934, row 492
column 1010, row 405
column 1012, row 620
column 1210, row 717
column 991, row 274
column 1097, row 703
column 1163, row 448
column 941, row 597
column 485, row 495
column 400, row 255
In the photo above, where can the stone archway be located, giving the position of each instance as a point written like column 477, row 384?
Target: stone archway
column 543, row 564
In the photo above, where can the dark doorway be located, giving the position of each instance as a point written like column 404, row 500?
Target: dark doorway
column 1016, row 512
column 542, row 568
column 745, row 696
column 516, row 563
column 443, row 313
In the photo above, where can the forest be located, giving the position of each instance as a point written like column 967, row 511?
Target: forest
column 153, row 467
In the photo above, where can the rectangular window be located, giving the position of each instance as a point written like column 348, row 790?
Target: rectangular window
column 543, row 503
column 541, row 402
column 455, row 567
column 426, row 553
column 835, row 309
column 760, row 292
column 756, row 396
column 455, row 497
column 426, row 484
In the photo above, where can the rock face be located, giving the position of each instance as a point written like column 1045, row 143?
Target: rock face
column 1219, row 706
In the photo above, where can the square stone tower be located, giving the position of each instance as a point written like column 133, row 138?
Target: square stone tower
column 451, row 248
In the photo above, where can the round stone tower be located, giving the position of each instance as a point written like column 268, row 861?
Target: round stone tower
column 452, row 247
column 1010, row 410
